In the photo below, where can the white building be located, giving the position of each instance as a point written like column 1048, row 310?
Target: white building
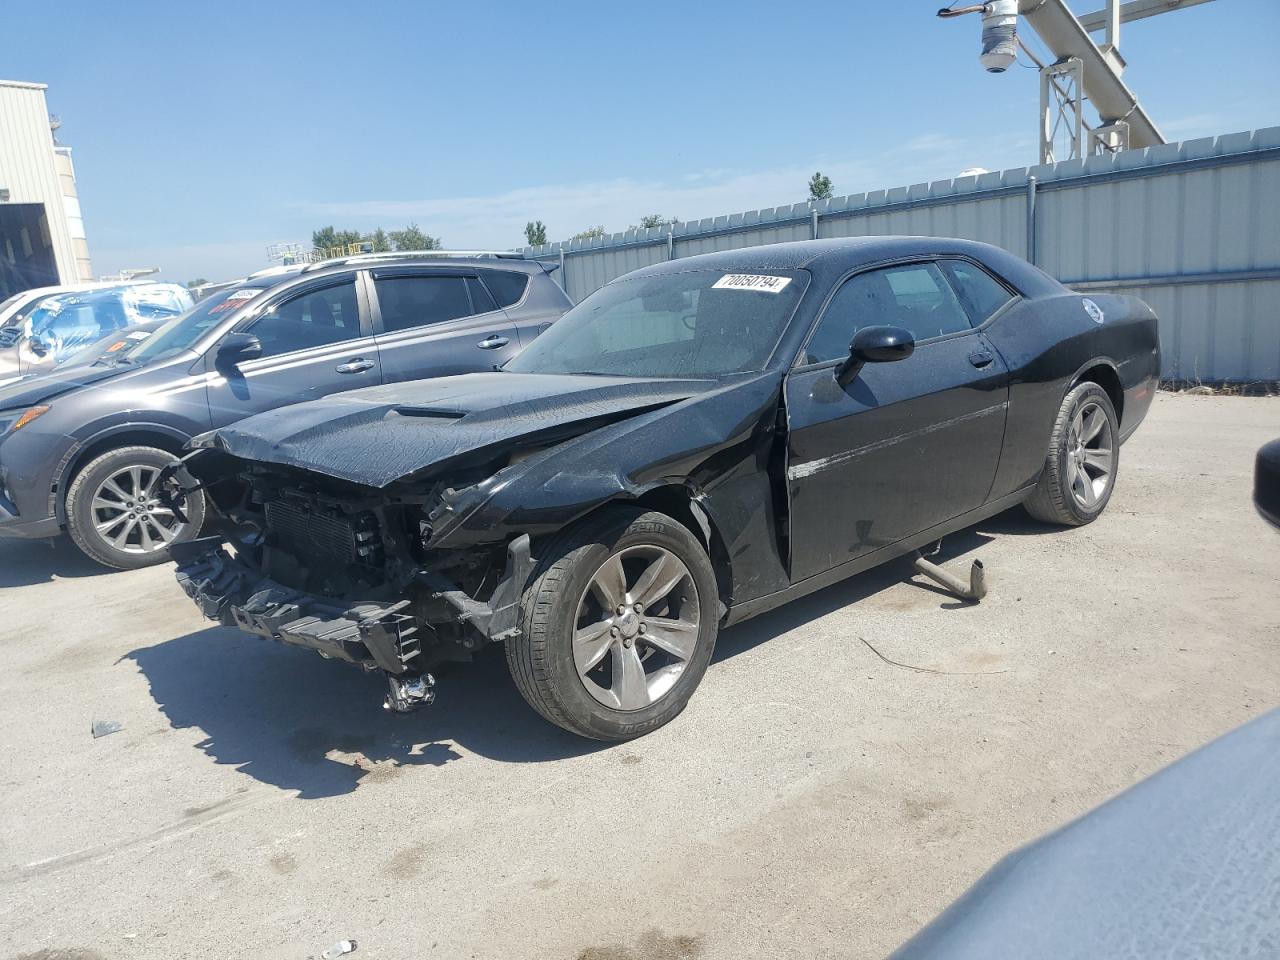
column 42, row 238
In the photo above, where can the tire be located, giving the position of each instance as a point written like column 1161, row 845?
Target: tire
column 136, row 539
column 672, row 638
column 1073, row 489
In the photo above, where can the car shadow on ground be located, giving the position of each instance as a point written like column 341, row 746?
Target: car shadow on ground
column 27, row 562
column 288, row 718
column 956, row 553
column 277, row 713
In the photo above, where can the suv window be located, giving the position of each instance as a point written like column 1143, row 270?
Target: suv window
column 481, row 302
column 506, row 286
column 314, row 319
column 980, row 293
column 915, row 297
column 408, row 302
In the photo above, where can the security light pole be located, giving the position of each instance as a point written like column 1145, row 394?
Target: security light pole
column 1082, row 70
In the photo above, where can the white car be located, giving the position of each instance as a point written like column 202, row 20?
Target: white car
column 39, row 332
column 20, row 301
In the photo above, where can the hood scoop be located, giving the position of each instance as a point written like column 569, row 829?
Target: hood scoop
column 429, row 413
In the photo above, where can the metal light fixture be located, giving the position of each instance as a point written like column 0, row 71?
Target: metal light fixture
column 1000, row 35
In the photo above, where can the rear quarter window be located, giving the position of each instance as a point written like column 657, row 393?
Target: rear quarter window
column 979, row 292
column 507, row 286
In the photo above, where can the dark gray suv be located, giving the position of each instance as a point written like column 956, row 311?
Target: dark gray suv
column 80, row 448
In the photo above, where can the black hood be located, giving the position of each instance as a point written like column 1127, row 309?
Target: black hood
column 30, row 390
column 380, row 434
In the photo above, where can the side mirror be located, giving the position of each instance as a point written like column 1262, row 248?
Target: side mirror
column 875, row 345
column 235, row 348
column 39, row 346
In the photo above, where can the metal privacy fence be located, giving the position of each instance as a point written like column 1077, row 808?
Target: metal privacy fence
column 1193, row 228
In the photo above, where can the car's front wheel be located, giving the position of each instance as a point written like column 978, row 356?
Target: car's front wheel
column 114, row 513
column 618, row 625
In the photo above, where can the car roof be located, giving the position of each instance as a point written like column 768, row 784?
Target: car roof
column 257, row 281
column 830, row 259
column 133, row 290
column 34, row 292
column 842, row 253
column 279, row 275
column 444, row 259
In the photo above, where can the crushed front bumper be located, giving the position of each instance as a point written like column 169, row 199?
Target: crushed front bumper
column 371, row 635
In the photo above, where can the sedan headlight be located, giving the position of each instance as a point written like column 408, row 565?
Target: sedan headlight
column 14, row 420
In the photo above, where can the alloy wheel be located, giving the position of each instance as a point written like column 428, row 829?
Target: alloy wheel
column 1090, row 454
column 128, row 515
column 636, row 627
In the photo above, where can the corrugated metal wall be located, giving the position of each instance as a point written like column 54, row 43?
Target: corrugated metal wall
column 27, row 168
column 1190, row 227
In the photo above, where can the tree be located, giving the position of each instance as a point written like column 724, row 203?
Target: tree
column 379, row 240
column 535, row 233
column 332, row 243
column 820, row 187
column 197, row 282
column 589, row 234
column 411, row 238
column 654, row 220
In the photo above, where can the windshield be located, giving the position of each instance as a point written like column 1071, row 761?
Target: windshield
column 103, row 348
column 182, row 332
column 20, row 315
column 698, row 324
column 6, row 304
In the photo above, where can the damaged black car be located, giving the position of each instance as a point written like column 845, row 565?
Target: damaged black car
column 695, row 443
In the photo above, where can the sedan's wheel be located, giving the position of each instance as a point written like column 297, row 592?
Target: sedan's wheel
column 637, row 627
column 619, row 625
column 1084, row 451
column 114, row 513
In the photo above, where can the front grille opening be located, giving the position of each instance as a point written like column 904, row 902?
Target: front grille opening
column 309, row 536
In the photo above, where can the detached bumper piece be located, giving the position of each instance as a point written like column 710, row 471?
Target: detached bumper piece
column 369, row 635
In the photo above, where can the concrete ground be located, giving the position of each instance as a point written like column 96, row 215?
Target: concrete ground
column 815, row 800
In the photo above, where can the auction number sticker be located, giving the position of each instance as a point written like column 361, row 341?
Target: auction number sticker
column 234, row 299
column 751, row 281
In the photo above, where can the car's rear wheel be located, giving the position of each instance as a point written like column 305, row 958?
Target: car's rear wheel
column 1084, row 454
column 619, row 625
column 114, row 514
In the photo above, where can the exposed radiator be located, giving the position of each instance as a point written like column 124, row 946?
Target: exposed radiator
column 308, row 535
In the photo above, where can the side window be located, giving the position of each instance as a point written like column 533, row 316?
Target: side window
column 506, row 286
column 978, row 290
column 481, row 302
column 408, row 302
column 314, row 319
column 915, row 297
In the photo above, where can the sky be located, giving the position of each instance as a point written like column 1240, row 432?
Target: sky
column 202, row 133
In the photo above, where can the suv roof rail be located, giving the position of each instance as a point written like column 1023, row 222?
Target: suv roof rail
column 418, row 254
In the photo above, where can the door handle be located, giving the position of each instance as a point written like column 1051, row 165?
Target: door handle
column 358, row 365
column 981, row 359
column 492, row 342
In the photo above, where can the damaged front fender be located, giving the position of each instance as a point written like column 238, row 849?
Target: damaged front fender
column 720, row 447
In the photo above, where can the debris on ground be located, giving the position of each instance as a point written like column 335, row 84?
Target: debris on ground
column 103, row 728
column 339, row 949
column 951, row 673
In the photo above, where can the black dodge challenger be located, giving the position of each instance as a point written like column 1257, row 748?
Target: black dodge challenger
column 695, row 443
